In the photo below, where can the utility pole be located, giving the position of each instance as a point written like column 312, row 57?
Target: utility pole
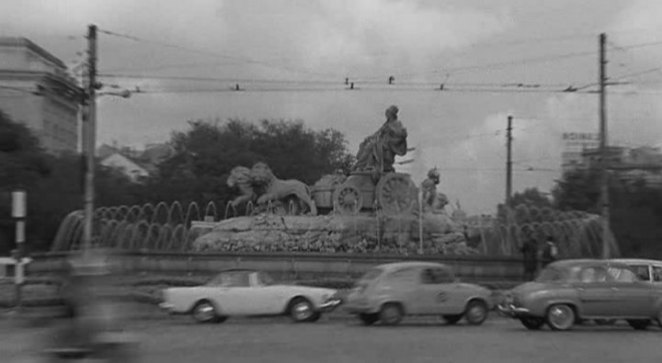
column 509, row 161
column 509, row 176
column 604, row 177
column 89, row 138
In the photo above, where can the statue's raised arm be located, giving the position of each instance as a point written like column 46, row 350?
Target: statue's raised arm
column 377, row 152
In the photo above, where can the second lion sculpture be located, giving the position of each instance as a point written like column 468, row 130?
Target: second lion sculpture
column 273, row 190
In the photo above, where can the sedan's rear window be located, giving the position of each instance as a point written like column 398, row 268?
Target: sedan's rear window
column 642, row 271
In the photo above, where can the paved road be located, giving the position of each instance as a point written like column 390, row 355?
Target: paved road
column 278, row 340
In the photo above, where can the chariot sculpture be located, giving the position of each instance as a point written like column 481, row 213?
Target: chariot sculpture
column 373, row 183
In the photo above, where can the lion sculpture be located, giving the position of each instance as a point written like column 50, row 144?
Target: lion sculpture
column 277, row 190
column 240, row 177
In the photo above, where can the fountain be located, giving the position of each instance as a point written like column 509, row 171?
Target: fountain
column 371, row 209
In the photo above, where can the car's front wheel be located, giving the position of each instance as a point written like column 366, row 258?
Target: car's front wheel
column 205, row 312
column 302, row 310
column 532, row 323
column 560, row 317
column 639, row 324
column 368, row 319
column 476, row 312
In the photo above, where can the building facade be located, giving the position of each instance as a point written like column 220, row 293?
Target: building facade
column 36, row 90
column 627, row 166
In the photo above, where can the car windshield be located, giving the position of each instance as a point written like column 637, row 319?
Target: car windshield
column 552, row 274
column 230, row 279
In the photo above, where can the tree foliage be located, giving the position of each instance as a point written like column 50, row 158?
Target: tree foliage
column 205, row 154
column 635, row 208
column 529, row 199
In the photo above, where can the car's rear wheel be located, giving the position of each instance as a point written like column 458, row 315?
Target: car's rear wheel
column 639, row 324
column 453, row 319
column 532, row 323
column 301, row 310
column 476, row 312
column 560, row 317
column 205, row 312
column 390, row 314
column 368, row 319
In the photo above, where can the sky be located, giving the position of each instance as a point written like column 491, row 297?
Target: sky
column 291, row 59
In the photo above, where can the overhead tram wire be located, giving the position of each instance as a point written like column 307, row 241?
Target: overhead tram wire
column 357, row 89
column 210, row 53
column 505, row 85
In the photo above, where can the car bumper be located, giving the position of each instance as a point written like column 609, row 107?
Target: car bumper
column 513, row 311
column 330, row 305
column 169, row 308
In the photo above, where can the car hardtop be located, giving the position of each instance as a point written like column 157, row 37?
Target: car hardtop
column 395, row 266
column 252, row 281
column 637, row 261
column 585, row 262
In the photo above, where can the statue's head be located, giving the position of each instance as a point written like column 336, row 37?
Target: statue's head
column 261, row 173
column 433, row 174
column 392, row 112
column 239, row 175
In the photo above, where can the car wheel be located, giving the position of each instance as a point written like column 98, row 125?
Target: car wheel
column 368, row 319
column 390, row 314
column 532, row 323
column 659, row 318
column 452, row 319
column 560, row 317
column 205, row 312
column 476, row 312
column 301, row 310
column 639, row 324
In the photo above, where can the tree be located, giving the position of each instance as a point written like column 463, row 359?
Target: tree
column 578, row 190
column 531, row 198
column 22, row 164
column 205, row 154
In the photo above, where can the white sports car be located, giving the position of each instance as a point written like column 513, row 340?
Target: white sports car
column 248, row 293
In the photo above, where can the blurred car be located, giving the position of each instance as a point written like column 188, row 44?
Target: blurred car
column 248, row 293
column 647, row 270
column 390, row 291
column 571, row 291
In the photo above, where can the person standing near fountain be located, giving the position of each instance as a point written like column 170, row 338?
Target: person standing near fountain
column 549, row 252
column 530, row 256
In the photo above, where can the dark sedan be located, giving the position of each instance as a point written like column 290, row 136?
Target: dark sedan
column 570, row 291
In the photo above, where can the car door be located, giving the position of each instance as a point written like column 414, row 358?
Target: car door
column 436, row 291
column 595, row 291
column 657, row 275
column 631, row 296
column 233, row 294
column 267, row 298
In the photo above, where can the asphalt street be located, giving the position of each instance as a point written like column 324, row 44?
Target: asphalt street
column 343, row 340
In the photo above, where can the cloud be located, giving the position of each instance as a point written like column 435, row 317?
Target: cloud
column 356, row 35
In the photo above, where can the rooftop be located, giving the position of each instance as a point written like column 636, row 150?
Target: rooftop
column 27, row 43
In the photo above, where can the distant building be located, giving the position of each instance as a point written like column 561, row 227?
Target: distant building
column 135, row 164
column 132, row 169
column 628, row 165
column 36, row 90
column 574, row 145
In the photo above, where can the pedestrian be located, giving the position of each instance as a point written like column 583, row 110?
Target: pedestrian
column 530, row 257
column 550, row 251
